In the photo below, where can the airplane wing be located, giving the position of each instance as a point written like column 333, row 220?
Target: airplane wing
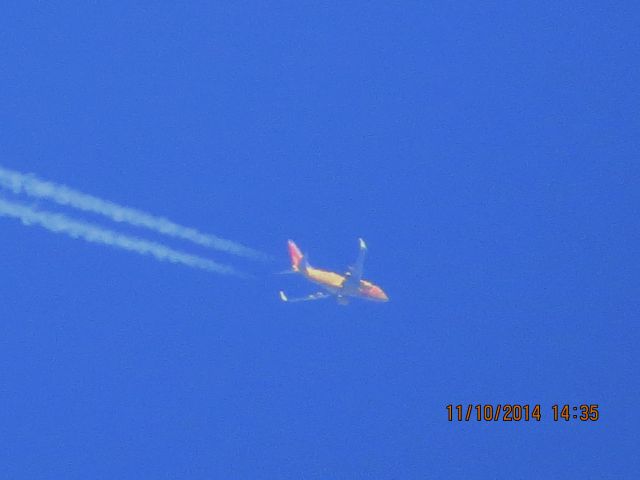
column 313, row 296
column 355, row 272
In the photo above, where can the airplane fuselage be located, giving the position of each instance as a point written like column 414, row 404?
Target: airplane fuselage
column 334, row 283
column 340, row 286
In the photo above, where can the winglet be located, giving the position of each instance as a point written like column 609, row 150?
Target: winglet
column 283, row 297
column 363, row 246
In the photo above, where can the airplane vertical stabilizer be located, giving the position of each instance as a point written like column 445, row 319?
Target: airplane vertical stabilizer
column 296, row 256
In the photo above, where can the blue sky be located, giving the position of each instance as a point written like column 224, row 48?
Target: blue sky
column 488, row 155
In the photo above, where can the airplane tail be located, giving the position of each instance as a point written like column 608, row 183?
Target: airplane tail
column 298, row 260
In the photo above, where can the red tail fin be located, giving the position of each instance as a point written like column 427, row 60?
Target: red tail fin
column 295, row 255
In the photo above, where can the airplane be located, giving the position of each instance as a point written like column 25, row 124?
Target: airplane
column 342, row 287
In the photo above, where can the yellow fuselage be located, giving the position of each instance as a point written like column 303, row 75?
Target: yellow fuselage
column 334, row 282
column 327, row 279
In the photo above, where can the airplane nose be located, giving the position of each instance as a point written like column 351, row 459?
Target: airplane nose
column 380, row 295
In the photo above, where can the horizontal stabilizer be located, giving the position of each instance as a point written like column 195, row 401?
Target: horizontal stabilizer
column 285, row 272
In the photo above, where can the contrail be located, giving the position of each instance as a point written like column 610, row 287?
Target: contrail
column 59, row 223
column 63, row 195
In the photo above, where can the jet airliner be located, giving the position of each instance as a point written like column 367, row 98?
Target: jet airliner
column 342, row 287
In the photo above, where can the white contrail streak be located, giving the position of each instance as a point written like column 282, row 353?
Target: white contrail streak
column 63, row 195
column 59, row 223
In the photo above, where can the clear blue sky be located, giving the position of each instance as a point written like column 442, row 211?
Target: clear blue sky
column 487, row 152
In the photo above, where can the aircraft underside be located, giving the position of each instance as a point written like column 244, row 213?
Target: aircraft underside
column 342, row 287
